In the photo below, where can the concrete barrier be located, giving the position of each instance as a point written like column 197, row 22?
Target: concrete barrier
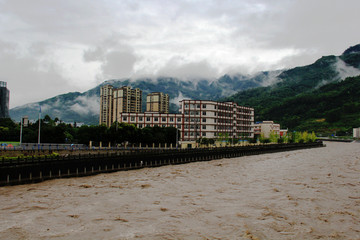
column 36, row 169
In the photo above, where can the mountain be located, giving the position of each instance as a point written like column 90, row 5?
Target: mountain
column 85, row 107
column 275, row 95
column 332, row 107
column 298, row 98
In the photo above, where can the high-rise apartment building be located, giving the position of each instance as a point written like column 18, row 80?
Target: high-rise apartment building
column 157, row 102
column 114, row 101
column 4, row 100
column 106, row 104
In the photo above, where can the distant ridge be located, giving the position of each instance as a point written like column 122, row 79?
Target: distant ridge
column 84, row 107
column 264, row 91
column 321, row 96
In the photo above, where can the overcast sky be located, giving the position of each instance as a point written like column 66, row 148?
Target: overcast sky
column 53, row 47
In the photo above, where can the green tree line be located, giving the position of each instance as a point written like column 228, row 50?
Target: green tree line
column 332, row 107
column 55, row 131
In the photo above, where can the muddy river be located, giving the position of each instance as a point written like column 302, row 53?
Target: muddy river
column 302, row 194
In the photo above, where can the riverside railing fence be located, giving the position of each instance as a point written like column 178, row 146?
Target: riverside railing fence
column 35, row 169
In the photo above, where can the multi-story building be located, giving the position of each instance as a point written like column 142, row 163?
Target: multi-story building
column 4, row 100
column 153, row 119
column 106, row 105
column 126, row 100
column 200, row 119
column 265, row 128
column 212, row 119
column 114, row 101
column 157, row 102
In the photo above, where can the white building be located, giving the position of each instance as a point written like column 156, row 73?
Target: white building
column 266, row 127
column 356, row 132
column 200, row 119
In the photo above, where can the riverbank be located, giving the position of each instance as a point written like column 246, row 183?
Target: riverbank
column 22, row 170
column 301, row 194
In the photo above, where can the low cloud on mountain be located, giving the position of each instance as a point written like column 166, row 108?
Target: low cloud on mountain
column 344, row 70
column 88, row 105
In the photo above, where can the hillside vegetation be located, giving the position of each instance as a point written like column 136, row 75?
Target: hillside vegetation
column 313, row 97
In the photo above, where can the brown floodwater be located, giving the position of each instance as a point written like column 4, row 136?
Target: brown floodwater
column 302, row 194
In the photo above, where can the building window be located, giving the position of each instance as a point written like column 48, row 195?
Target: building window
column 204, row 105
column 124, row 118
column 179, row 119
column 197, row 105
column 132, row 119
column 156, row 119
column 140, row 125
column 204, row 134
column 204, row 127
column 204, row 113
column 140, row 118
column 171, row 119
column 163, row 119
column 163, row 125
column 204, row 120
column 185, row 134
column 148, row 119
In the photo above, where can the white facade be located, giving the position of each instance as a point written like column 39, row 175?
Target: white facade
column 200, row 119
column 266, row 127
column 356, row 132
column 152, row 119
column 210, row 119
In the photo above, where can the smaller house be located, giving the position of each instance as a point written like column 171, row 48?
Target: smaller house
column 356, row 133
column 266, row 127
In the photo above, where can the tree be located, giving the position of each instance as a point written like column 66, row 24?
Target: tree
column 273, row 137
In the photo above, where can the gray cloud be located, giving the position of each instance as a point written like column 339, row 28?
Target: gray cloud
column 118, row 64
column 68, row 45
column 29, row 78
column 188, row 71
column 86, row 105
column 344, row 70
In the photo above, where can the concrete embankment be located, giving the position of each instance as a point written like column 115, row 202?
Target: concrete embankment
column 36, row 169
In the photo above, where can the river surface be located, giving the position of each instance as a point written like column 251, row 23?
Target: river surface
column 302, row 194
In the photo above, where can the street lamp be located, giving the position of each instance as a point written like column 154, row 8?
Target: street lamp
column 24, row 123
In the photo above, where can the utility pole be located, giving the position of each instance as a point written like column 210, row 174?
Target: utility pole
column 21, row 130
column 39, row 126
column 24, row 123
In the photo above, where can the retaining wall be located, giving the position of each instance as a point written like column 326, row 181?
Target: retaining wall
column 36, row 169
